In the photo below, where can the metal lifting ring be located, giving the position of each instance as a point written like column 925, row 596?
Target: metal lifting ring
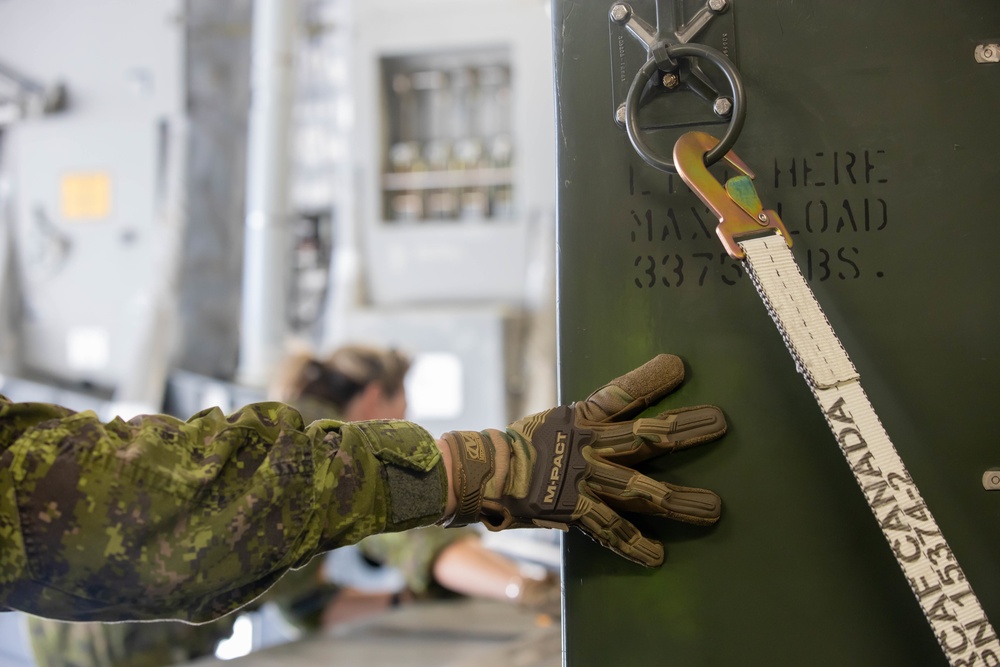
column 639, row 84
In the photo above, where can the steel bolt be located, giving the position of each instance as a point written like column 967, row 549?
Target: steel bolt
column 671, row 80
column 718, row 6
column 987, row 53
column 991, row 480
column 620, row 114
column 620, row 12
column 723, row 106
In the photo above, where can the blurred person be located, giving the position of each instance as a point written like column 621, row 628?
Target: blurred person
column 158, row 518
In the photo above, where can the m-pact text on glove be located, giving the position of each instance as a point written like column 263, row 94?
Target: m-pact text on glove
column 556, row 472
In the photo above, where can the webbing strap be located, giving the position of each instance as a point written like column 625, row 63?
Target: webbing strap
column 930, row 567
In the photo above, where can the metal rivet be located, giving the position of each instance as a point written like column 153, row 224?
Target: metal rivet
column 987, row 53
column 991, row 480
column 762, row 217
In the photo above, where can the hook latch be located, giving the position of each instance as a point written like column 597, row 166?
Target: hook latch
column 737, row 206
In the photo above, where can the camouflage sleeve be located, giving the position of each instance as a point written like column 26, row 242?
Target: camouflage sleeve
column 161, row 518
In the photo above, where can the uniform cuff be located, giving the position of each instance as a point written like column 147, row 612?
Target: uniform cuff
column 415, row 477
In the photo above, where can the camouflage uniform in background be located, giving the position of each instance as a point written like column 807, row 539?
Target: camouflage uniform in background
column 59, row 644
column 300, row 595
column 161, row 518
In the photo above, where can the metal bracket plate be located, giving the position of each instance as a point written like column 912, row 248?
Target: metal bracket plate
column 674, row 21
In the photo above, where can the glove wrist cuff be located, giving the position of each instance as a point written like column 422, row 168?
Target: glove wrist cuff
column 474, row 464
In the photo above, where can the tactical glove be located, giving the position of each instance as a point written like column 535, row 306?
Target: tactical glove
column 572, row 465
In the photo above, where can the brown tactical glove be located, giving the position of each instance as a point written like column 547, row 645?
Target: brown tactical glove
column 571, row 466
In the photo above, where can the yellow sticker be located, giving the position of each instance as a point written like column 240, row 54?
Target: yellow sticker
column 85, row 195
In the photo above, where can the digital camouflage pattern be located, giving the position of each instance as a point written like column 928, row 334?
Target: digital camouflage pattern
column 162, row 518
column 412, row 553
column 300, row 595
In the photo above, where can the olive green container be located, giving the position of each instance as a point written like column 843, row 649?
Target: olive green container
column 876, row 133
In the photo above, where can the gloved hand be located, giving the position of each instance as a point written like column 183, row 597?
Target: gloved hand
column 572, row 465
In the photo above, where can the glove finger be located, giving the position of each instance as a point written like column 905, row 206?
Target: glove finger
column 626, row 490
column 629, row 443
column 602, row 524
column 633, row 392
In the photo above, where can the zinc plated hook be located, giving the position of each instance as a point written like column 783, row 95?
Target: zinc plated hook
column 736, row 205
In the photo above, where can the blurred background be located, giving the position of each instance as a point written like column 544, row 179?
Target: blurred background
column 190, row 189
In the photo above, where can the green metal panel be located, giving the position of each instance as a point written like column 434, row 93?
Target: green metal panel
column 875, row 131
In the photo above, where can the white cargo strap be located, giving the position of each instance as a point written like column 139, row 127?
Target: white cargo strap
column 930, row 567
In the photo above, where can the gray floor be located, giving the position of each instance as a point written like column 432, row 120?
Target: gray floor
column 464, row 633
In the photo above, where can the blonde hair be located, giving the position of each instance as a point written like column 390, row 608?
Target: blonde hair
column 339, row 377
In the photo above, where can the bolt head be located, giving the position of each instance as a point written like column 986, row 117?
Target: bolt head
column 620, row 12
column 671, row 80
column 723, row 106
column 620, row 114
column 718, row 6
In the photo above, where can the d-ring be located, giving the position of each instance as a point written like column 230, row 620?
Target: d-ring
column 639, row 84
